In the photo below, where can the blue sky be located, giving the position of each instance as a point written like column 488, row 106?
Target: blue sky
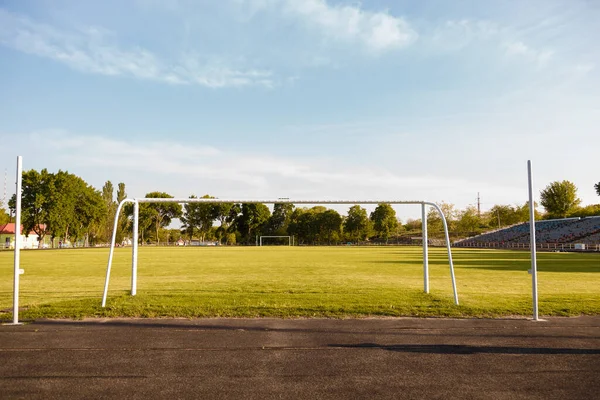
column 433, row 100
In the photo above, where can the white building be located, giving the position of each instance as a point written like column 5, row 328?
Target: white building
column 7, row 238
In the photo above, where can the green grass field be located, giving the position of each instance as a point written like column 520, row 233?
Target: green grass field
column 298, row 282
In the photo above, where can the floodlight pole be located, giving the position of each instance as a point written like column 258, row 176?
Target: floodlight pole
column 425, row 249
column 17, row 260
column 534, row 291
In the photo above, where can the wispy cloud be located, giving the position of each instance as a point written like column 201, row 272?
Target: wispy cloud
column 378, row 31
column 93, row 51
column 257, row 171
column 375, row 31
column 520, row 50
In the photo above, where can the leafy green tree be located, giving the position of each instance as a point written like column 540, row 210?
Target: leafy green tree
column 560, row 198
column 4, row 217
column 523, row 212
column 107, row 197
column 121, row 194
column 60, row 205
column 199, row 217
column 329, row 224
column 384, row 221
column 469, row 221
column 280, row 219
column 226, row 215
column 413, row 225
column 36, row 202
column 434, row 221
column 502, row 215
column 158, row 215
column 124, row 223
column 89, row 210
column 297, row 226
column 252, row 220
column 597, row 187
column 357, row 224
column 587, row 211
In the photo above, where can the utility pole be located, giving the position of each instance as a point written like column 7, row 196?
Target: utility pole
column 478, row 205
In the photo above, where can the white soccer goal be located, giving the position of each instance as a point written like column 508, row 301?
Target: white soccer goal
column 136, row 211
column 289, row 238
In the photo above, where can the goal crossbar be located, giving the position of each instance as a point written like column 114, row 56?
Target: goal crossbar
column 136, row 210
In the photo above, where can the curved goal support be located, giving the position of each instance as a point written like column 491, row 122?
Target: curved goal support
column 112, row 245
column 137, row 202
column 447, row 235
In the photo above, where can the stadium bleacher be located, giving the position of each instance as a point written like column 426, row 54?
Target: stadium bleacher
column 566, row 231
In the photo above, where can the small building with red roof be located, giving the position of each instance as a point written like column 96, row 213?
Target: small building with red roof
column 7, row 237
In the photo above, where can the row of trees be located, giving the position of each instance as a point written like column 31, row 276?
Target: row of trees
column 241, row 223
column 62, row 205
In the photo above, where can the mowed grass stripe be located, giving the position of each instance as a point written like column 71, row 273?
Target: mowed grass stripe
column 340, row 282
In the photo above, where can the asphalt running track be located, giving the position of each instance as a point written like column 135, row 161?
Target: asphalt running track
column 302, row 359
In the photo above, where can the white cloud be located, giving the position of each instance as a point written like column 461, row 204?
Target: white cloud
column 455, row 35
column 93, row 51
column 519, row 49
column 170, row 162
column 376, row 31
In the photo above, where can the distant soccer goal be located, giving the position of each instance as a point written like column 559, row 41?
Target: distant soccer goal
column 290, row 240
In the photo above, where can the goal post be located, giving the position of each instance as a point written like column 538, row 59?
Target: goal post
column 260, row 242
column 137, row 202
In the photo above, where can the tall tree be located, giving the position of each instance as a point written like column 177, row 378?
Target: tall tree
column 384, row 221
column 107, row 197
column 560, row 198
column 226, row 215
column 330, row 226
column 89, row 210
column 597, row 187
column 280, row 219
column 158, row 215
column 199, row 217
column 356, row 225
column 502, row 215
column 252, row 220
column 434, row 221
column 121, row 194
column 124, row 222
column 469, row 221
column 107, row 193
column 35, row 202
column 59, row 205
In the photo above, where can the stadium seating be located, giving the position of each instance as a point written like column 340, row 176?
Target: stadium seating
column 558, row 231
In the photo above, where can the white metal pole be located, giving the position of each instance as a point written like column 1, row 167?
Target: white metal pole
column 425, row 249
column 112, row 250
column 449, row 251
column 134, row 247
column 534, row 291
column 17, row 241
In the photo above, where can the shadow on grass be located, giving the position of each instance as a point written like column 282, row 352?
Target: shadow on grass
column 524, row 265
column 466, row 349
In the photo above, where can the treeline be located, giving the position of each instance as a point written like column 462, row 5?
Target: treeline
column 242, row 223
column 63, row 207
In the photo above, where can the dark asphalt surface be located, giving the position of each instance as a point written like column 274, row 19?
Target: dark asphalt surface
column 302, row 359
